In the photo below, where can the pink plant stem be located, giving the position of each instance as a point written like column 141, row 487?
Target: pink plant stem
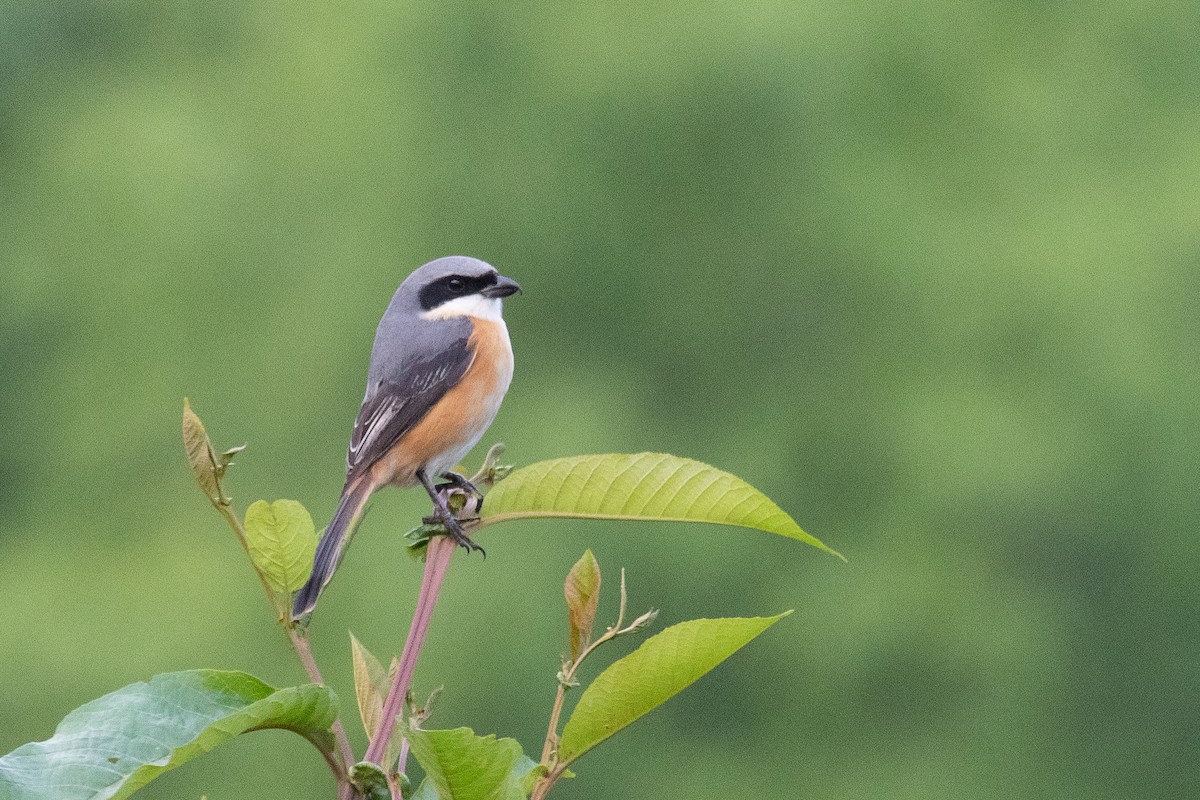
column 437, row 560
column 403, row 755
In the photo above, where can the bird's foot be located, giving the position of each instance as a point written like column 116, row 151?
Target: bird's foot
column 460, row 536
column 445, row 516
column 460, row 482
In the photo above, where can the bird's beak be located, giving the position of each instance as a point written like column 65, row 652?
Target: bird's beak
column 502, row 288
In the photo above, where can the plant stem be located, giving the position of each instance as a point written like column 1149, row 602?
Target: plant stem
column 547, row 782
column 304, row 651
column 437, row 560
column 300, row 643
column 552, row 732
column 566, row 679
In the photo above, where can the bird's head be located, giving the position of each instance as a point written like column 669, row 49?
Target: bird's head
column 457, row 286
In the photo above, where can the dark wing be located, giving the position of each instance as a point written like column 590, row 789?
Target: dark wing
column 394, row 405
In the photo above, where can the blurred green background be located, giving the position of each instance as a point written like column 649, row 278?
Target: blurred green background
column 926, row 273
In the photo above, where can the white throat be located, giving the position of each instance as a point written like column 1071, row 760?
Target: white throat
column 475, row 305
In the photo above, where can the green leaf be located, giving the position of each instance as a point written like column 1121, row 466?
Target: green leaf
column 463, row 766
column 582, row 590
column 492, row 470
column 370, row 685
column 426, row 791
column 663, row 666
column 281, row 540
column 200, row 455
column 116, row 744
column 226, row 459
column 370, row 781
column 528, row 771
column 643, row 486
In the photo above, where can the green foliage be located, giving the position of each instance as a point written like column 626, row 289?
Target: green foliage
column 156, row 726
column 642, row 486
column 462, row 766
column 117, row 743
column 663, row 666
column 370, row 781
column 281, row 540
column 582, row 591
column 207, row 466
column 370, row 685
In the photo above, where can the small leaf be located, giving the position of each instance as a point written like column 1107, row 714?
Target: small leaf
column 426, row 791
column 226, row 459
column 420, row 713
column 582, row 591
column 114, row 745
column 530, row 772
column 370, row 781
column 663, row 666
column 492, row 471
column 643, row 486
column 419, row 538
column 282, row 541
column 200, row 455
column 463, row 766
column 641, row 623
column 370, row 685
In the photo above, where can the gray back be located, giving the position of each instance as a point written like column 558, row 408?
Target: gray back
column 403, row 337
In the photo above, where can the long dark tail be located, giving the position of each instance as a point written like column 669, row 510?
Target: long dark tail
column 333, row 544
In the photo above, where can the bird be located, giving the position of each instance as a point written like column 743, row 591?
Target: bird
column 440, row 367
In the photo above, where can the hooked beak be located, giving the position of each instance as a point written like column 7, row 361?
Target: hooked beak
column 502, row 288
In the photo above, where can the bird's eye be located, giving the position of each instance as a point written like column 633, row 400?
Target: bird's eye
column 456, row 285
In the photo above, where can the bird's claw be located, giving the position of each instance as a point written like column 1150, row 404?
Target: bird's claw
column 454, row 529
column 440, row 496
column 460, row 482
column 460, row 536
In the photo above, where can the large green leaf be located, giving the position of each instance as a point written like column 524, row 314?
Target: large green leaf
column 462, row 766
column 116, row 744
column 642, row 486
column 281, row 540
column 523, row 774
column 663, row 666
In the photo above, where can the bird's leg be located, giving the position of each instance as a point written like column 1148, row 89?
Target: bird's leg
column 447, row 516
column 460, row 482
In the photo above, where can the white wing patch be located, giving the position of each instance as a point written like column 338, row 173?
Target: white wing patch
column 395, row 407
column 370, row 428
column 423, row 382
